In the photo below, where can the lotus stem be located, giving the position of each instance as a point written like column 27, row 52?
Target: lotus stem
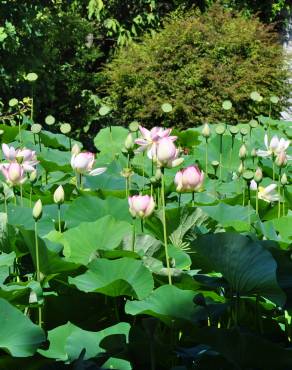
column 279, row 192
column 30, row 196
column 284, row 201
column 220, row 157
column 164, row 226
column 38, row 275
column 206, row 157
column 59, row 218
column 257, row 202
column 40, row 142
column 21, row 195
column 5, row 204
column 142, row 225
column 193, row 199
column 134, row 236
column 273, row 169
column 248, row 191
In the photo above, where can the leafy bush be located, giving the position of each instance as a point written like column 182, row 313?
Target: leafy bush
column 195, row 63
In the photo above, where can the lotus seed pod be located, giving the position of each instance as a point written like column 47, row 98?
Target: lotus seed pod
column 284, row 179
column 37, row 210
column 59, row 195
column 215, row 164
column 258, row 176
column 206, row 132
column 129, row 142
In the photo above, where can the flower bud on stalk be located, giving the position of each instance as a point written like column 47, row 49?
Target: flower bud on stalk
column 141, row 205
column 281, row 159
column 59, row 195
column 189, row 179
column 258, row 176
column 129, row 142
column 37, row 210
column 206, row 132
column 242, row 152
column 284, row 179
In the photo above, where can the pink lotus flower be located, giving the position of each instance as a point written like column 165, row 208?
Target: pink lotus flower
column 141, row 205
column 150, row 138
column 167, row 155
column 189, row 179
column 13, row 172
column 24, row 156
column 83, row 162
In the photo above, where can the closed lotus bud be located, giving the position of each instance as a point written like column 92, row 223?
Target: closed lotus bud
column 281, row 159
column 158, row 174
column 166, row 150
column 129, row 142
column 258, row 176
column 59, row 195
column 33, row 176
column 284, row 180
column 240, row 168
column 253, row 185
column 75, row 149
column 242, row 152
column 189, row 179
column 253, row 153
column 206, row 132
column 141, row 205
column 37, row 210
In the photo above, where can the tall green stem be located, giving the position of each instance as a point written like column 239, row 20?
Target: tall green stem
column 134, row 236
column 284, row 201
column 38, row 275
column 257, row 202
column 59, row 217
column 206, row 158
column 164, row 227
column 279, row 192
column 273, row 169
column 21, row 198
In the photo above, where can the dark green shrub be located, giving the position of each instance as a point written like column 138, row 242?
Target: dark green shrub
column 195, row 63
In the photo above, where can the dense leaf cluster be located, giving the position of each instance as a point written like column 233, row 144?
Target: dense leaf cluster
column 195, row 63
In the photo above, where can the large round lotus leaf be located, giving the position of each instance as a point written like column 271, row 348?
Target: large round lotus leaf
column 18, row 335
column 244, row 263
column 124, row 276
column 168, row 303
column 81, row 243
column 68, row 341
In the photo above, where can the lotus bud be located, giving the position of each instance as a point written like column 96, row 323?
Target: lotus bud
column 75, row 149
column 189, row 179
column 253, row 185
column 129, row 142
column 206, row 132
column 33, row 176
column 166, row 150
column 240, row 168
column 281, row 159
column 242, row 152
column 141, row 205
column 284, row 179
column 59, row 195
column 258, row 176
column 253, row 153
column 158, row 174
column 37, row 210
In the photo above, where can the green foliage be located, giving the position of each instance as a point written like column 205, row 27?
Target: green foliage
column 195, row 63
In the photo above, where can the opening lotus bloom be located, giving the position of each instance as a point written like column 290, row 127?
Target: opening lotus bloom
column 167, row 155
column 83, row 163
column 24, row 156
column 14, row 173
column 150, row 138
column 189, row 179
column 268, row 193
column 275, row 146
column 141, row 205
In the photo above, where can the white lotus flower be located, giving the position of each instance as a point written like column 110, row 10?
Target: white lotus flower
column 267, row 194
column 275, row 146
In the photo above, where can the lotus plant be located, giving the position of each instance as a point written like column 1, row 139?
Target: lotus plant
column 141, row 206
column 83, row 162
column 189, row 179
column 26, row 157
column 267, row 194
column 150, row 138
column 59, row 197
